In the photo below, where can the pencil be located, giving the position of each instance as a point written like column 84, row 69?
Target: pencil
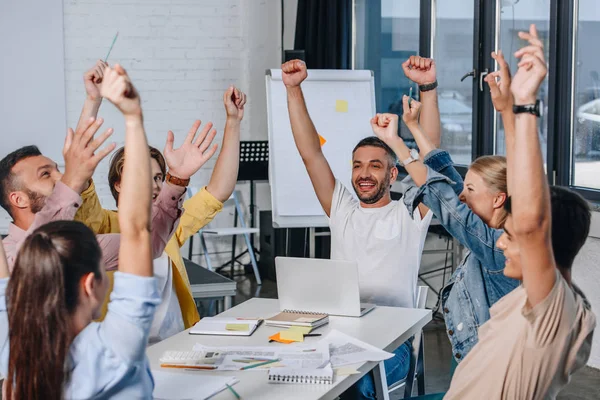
column 187, row 366
column 111, row 46
column 237, row 396
column 260, row 364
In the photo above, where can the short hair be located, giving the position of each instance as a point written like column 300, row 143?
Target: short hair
column 374, row 141
column 8, row 181
column 571, row 220
column 117, row 160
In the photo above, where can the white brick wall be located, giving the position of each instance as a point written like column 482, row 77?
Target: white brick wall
column 181, row 55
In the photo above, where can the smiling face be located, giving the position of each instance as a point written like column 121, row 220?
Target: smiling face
column 372, row 174
column 36, row 177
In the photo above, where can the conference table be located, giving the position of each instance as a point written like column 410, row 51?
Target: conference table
column 385, row 328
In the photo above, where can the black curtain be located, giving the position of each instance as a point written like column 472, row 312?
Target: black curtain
column 324, row 32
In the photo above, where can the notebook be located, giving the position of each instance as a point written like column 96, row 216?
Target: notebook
column 288, row 318
column 225, row 326
column 298, row 375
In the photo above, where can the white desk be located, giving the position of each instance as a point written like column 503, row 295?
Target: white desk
column 385, row 328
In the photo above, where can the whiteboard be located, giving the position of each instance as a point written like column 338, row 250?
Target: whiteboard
column 32, row 76
column 340, row 103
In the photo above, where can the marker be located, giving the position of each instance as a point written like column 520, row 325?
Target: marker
column 111, row 46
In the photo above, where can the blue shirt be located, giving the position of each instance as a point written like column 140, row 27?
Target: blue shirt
column 107, row 359
column 479, row 281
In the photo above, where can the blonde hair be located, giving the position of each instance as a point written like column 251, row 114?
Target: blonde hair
column 492, row 169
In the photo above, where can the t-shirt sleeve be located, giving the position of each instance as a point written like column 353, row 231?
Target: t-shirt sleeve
column 131, row 310
column 342, row 202
column 554, row 316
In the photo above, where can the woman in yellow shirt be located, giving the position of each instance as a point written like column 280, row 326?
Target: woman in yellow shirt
column 198, row 210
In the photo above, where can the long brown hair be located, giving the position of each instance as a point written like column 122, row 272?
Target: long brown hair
column 492, row 169
column 42, row 295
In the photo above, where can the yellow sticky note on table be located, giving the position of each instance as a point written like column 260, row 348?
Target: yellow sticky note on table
column 304, row 329
column 238, row 327
column 343, row 371
column 296, row 336
column 341, row 106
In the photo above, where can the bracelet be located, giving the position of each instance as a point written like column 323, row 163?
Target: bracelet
column 428, row 86
column 177, row 181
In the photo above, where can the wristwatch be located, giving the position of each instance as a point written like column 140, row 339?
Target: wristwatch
column 414, row 156
column 535, row 109
column 428, row 86
column 177, row 181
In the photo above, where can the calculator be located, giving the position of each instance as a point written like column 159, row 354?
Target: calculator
column 189, row 358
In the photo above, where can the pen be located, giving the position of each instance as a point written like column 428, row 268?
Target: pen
column 312, row 334
column 409, row 96
column 260, row 364
column 111, row 46
column 237, row 396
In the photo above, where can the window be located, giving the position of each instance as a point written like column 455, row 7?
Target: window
column 387, row 34
column 453, row 52
column 586, row 124
column 516, row 16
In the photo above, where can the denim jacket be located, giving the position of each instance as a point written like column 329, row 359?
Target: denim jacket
column 479, row 281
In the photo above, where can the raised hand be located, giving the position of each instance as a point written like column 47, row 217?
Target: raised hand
column 193, row 154
column 293, row 73
column 532, row 68
column 420, row 70
column 499, row 83
column 385, row 127
column 234, row 101
column 92, row 80
column 411, row 111
column 79, row 152
column 119, row 90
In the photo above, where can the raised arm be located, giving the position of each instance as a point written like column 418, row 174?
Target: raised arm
column 502, row 98
column 135, row 199
column 306, row 136
column 3, row 263
column 531, row 216
column 385, row 126
column 224, row 176
column 92, row 80
column 422, row 71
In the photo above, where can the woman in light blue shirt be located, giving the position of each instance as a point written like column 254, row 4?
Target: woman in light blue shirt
column 53, row 350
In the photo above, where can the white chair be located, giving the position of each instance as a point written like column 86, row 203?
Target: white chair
column 241, row 230
column 416, row 370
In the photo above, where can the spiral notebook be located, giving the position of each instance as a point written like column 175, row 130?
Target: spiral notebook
column 288, row 318
column 297, row 375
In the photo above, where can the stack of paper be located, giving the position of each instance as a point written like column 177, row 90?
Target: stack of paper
column 346, row 350
column 188, row 385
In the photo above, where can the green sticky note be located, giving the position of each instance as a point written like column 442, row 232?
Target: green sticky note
column 341, row 106
column 238, row 327
column 304, row 329
column 296, row 336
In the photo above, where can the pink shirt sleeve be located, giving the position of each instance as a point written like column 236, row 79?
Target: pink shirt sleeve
column 62, row 204
column 109, row 244
column 166, row 211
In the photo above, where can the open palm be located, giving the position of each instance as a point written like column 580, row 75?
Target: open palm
column 193, row 154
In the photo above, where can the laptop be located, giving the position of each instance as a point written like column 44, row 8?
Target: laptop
column 320, row 286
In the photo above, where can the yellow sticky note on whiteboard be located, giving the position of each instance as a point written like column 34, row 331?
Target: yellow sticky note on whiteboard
column 341, row 106
column 296, row 336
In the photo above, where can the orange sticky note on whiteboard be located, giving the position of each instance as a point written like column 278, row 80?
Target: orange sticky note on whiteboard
column 341, row 106
column 322, row 140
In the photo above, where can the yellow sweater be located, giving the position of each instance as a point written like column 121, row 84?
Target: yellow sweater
column 198, row 212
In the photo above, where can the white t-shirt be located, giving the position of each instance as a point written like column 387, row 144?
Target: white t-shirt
column 385, row 242
column 167, row 319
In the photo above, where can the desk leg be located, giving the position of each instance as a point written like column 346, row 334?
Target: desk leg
column 228, row 302
column 381, row 388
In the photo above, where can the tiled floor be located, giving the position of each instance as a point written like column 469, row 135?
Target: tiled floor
column 585, row 385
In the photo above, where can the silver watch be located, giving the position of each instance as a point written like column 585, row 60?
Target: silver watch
column 414, row 156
